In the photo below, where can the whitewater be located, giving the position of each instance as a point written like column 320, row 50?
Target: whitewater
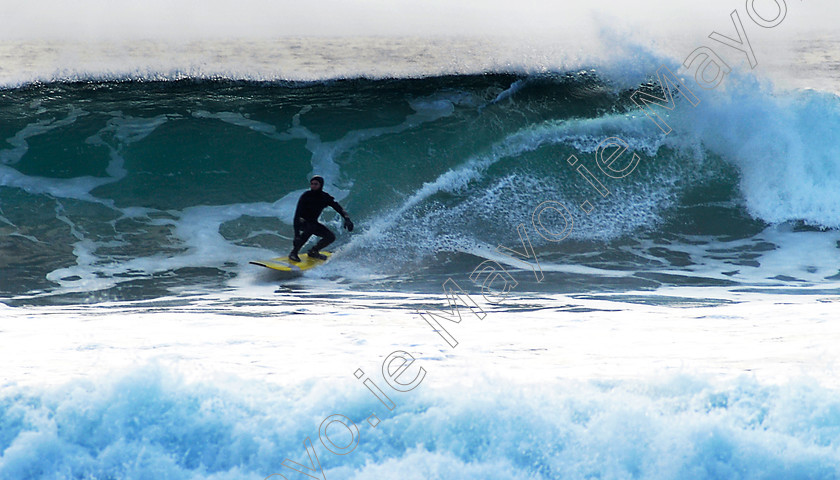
column 506, row 308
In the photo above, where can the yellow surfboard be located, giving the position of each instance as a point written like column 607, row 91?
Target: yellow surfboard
column 283, row 264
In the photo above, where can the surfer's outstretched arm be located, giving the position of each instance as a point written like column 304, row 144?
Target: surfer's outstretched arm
column 348, row 224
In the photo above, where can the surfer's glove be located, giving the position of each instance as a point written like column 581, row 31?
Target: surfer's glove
column 348, row 224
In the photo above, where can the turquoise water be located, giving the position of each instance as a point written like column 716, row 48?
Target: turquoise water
column 128, row 189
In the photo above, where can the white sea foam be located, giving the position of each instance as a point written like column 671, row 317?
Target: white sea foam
column 783, row 144
column 199, row 390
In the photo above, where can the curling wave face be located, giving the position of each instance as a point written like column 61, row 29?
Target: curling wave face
column 134, row 187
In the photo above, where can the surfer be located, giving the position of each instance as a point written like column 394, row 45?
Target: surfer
column 306, row 224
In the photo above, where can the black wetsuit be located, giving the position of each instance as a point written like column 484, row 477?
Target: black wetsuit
column 309, row 208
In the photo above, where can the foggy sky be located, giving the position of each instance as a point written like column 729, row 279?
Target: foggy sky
column 195, row 19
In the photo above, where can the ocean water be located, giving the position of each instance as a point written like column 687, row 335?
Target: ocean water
column 503, row 310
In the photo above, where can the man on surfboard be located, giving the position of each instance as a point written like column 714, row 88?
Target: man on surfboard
column 306, row 224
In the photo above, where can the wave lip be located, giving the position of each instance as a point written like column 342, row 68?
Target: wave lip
column 285, row 59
